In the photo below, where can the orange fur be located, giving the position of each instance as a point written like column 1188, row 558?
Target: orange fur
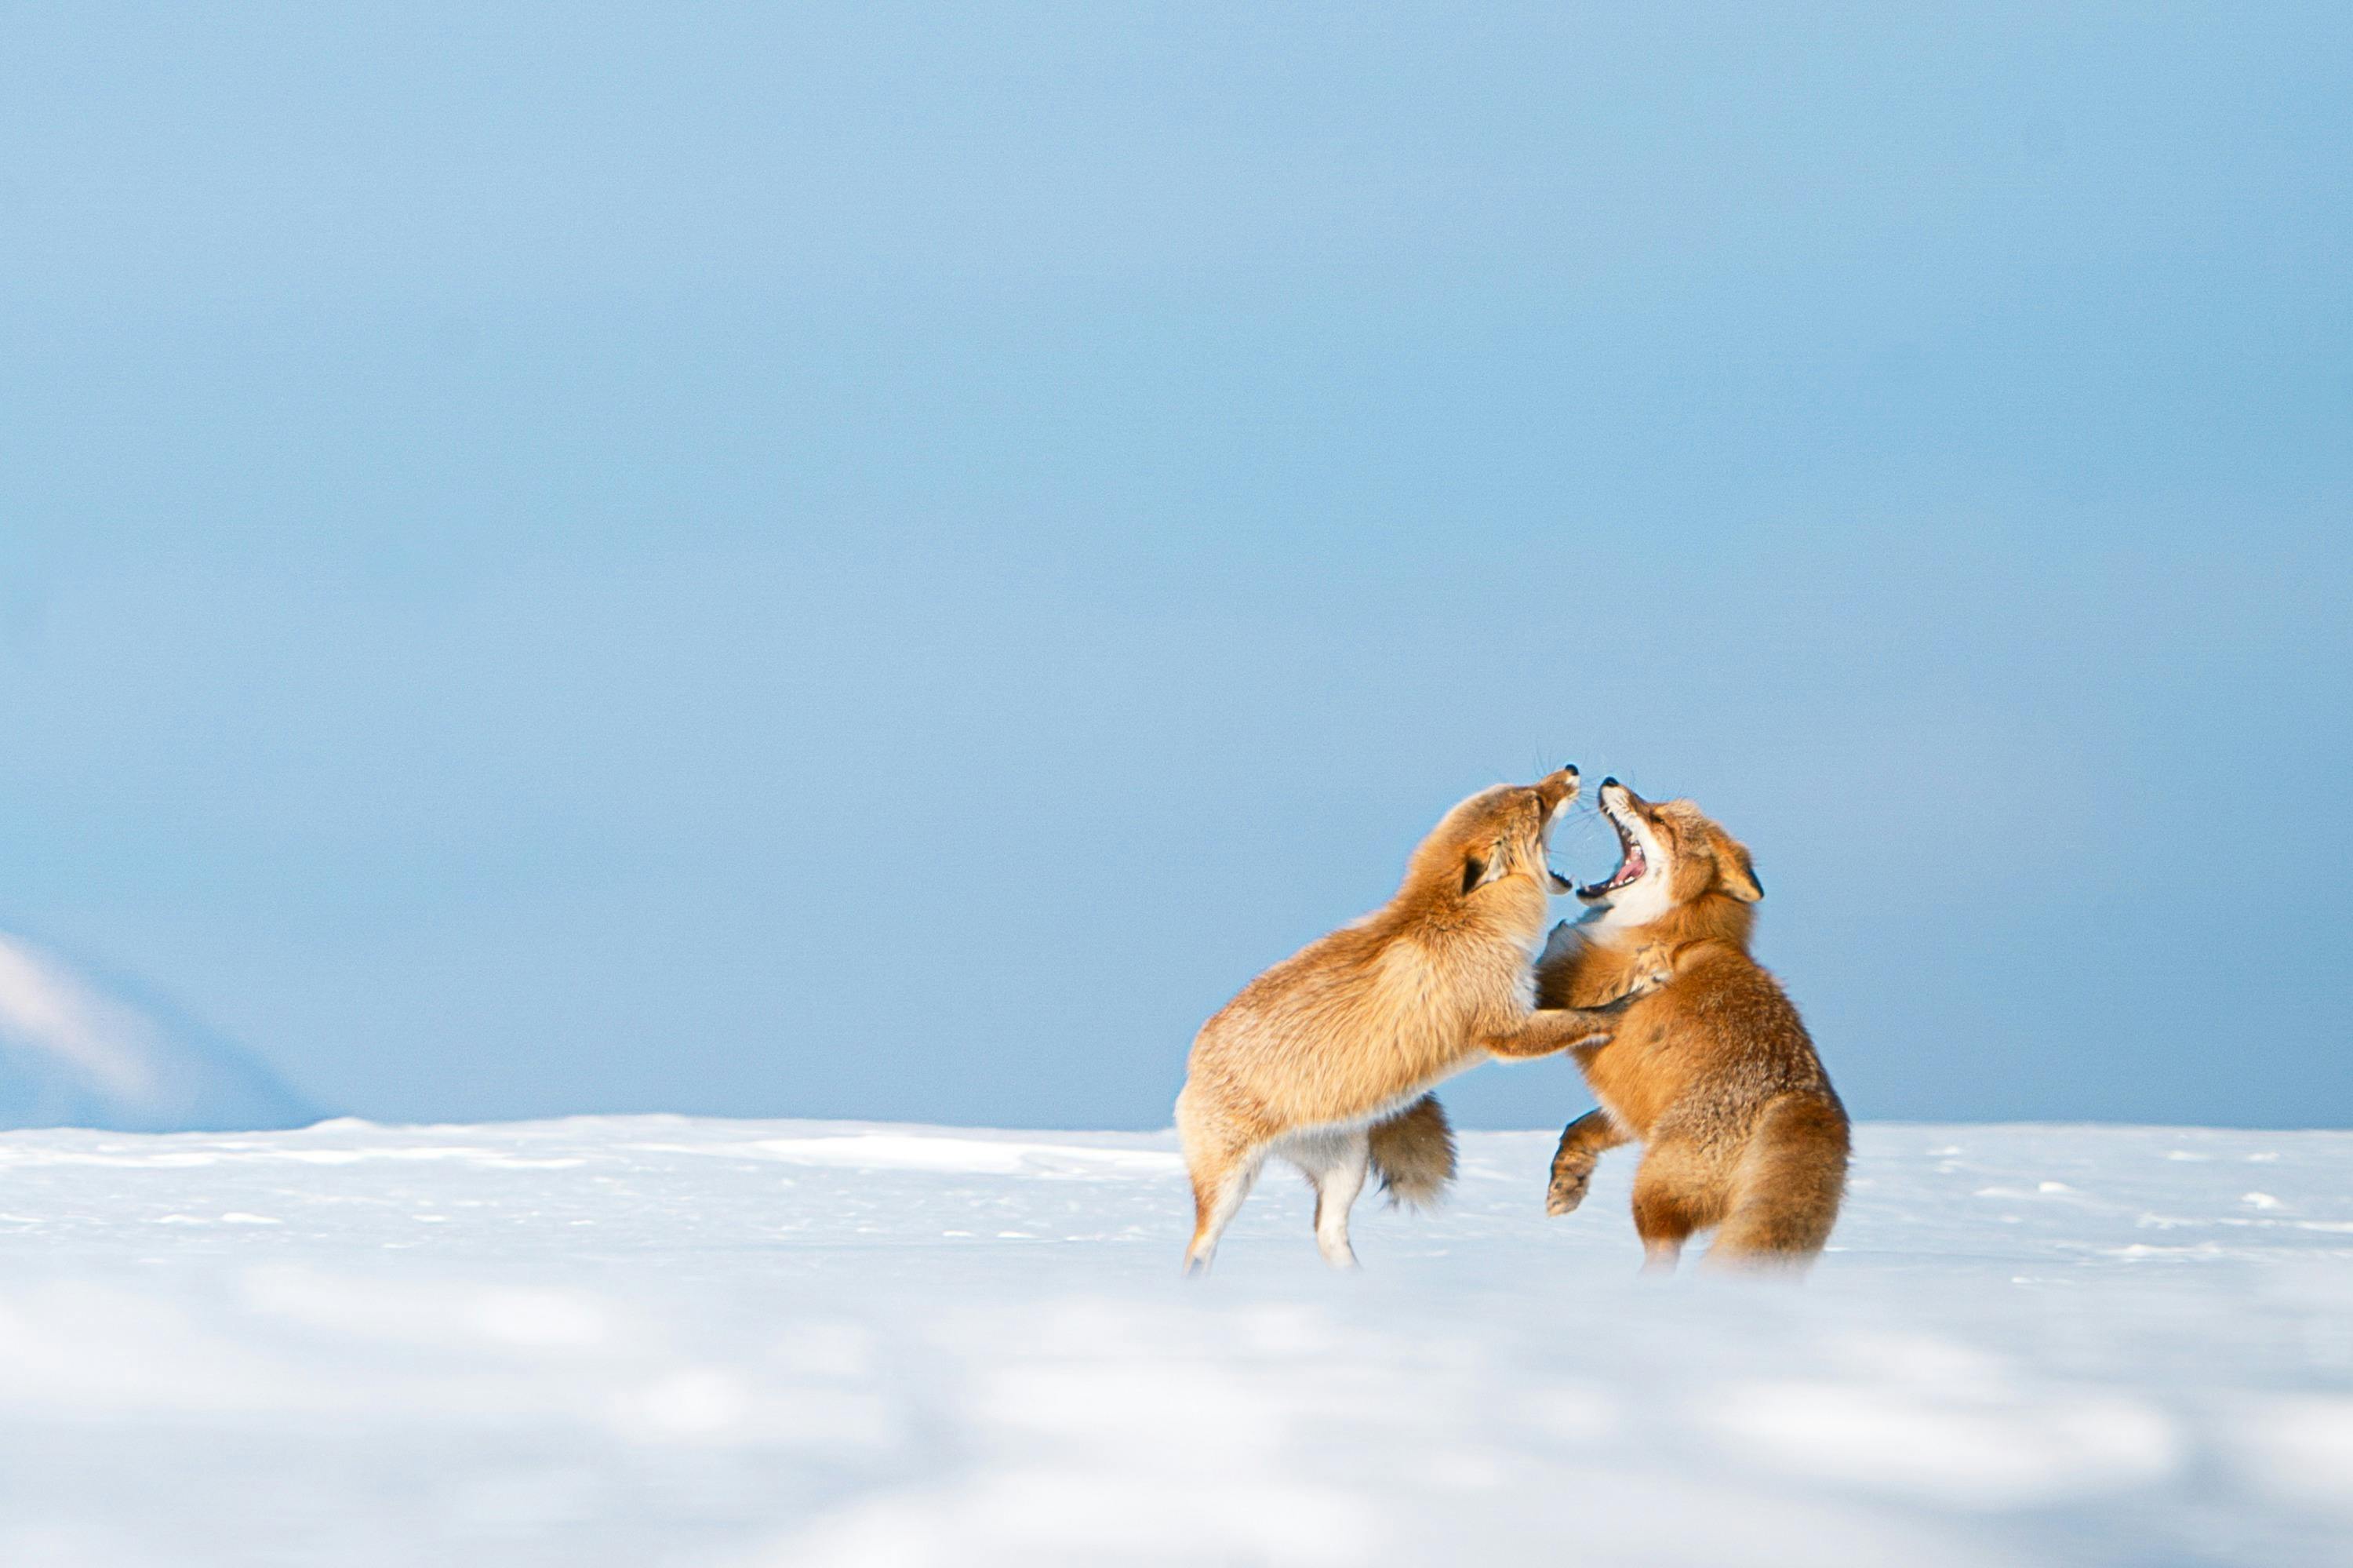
column 1328, row 1055
column 1713, row 1071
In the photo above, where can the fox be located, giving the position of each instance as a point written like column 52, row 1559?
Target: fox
column 1328, row 1057
column 1712, row 1070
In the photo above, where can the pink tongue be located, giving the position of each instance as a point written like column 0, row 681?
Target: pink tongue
column 1634, row 867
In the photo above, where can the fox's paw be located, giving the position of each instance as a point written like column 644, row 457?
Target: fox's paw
column 1648, row 981
column 1567, row 1190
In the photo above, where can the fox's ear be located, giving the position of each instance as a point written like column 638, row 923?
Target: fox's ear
column 1736, row 870
column 1483, row 866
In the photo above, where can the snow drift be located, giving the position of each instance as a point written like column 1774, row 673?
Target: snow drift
column 74, row 1054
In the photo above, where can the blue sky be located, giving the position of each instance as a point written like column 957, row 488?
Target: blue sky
column 880, row 562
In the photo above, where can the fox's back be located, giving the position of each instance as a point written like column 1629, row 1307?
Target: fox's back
column 1351, row 1023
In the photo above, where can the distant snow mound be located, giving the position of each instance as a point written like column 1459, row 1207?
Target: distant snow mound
column 74, row 1054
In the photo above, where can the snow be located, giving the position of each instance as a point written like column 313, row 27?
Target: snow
column 75, row 1052
column 659, row 1340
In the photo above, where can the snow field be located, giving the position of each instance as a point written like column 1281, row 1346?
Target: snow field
column 659, row 1340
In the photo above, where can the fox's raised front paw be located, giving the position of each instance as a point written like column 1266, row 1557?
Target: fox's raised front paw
column 1567, row 1190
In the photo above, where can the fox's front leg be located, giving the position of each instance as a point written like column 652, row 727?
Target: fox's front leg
column 1581, row 1144
column 1564, row 980
column 1552, row 1028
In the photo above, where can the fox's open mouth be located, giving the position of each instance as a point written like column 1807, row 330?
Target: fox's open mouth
column 1631, row 865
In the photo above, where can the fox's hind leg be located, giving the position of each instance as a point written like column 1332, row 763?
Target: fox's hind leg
column 1670, row 1201
column 1786, row 1195
column 1336, row 1163
column 1222, row 1178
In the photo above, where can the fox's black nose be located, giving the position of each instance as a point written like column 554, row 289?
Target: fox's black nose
column 1569, row 769
column 1606, row 783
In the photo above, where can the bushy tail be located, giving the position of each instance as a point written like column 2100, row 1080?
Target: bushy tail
column 1787, row 1195
column 1413, row 1153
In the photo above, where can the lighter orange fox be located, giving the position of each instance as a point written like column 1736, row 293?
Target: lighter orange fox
column 1713, row 1071
column 1328, row 1057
